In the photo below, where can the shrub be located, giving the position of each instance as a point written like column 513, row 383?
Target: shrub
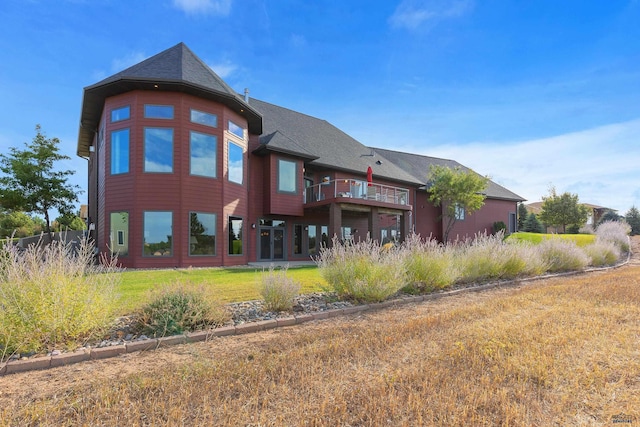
column 278, row 290
column 488, row 257
column 428, row 265
column 53, row 295
column 499, row 226
column 615, row 232
column 602, row 253
column 178, row 308
column 562, row 255
column 362, row 271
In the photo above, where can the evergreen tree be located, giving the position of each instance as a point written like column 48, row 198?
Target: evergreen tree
column 633, row 219
column 522, row 215
column 532, row 224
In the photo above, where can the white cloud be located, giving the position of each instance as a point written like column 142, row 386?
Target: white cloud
column 193, row 7
column 599, row 164
column 224, row 69
column 412, row 14
column 124, row 62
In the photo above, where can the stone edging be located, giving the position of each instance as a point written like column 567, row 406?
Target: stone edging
column 45, row 362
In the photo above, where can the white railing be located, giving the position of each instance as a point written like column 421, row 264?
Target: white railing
column 353, row 188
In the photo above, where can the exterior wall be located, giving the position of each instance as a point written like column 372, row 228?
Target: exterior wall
column 427, row 217
column 482, row 220
column 178, row 192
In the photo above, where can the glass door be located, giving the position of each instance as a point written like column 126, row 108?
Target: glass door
column 272, row 243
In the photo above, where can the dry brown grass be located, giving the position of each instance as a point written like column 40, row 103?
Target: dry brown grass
column 562, row 351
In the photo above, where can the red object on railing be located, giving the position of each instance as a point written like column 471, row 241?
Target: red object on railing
column 369, row 176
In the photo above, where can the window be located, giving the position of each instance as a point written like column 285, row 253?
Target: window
column 119, row 151
column 236, row 130
column 158, row 111
column 203, row 118
column 158, row 150
column 324, row 236
column 235, row 235
column 459, row 212
column 119, row 243
column 203, row 154
column 158, row 234
column 297, row 239
column 118, row 114
column 311, row 235
column 287, row 176
column 236, row 163
column 202, row 233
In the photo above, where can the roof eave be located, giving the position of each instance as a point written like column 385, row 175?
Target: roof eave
column 94, row 97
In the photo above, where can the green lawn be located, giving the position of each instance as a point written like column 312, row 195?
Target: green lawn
column 227, row 284
column 535, row 238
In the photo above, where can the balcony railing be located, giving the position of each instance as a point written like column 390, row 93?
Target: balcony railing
column 356, row 189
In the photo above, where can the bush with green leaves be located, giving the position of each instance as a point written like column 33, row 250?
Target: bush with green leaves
column 616, row 232
column 428, row 265
column 562, row 255
column 278, row 291
column 363, row 271
column 54, row 296
column 178, row 308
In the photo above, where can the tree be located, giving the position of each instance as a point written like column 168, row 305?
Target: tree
column 562, row 210
column 532, row 225
column 69, row 222
column 17, row 224
column 522, row 215
column 633, row 219
column 32, row 184
column 609, row 215
column 460, row 192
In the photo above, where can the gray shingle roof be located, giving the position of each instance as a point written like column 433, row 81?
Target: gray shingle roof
column 299, row 134
column 419, row 165
column 175, row 69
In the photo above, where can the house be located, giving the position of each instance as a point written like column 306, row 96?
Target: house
column 183, row 171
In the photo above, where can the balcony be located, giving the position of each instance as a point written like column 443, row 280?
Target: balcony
column 357, row 192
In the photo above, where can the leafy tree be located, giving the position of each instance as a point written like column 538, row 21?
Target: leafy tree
column 532, row 224
column 19, row 223
column 562, row 210
column 458, row 191
column 522, row 215
column 31, row 183
column 633, row 219
column 69, row 222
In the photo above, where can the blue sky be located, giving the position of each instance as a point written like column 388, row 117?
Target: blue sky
column 533, row 93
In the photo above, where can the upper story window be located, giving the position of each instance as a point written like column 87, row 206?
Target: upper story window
column 235, row 163
column 203, row 154
column 158, row 150
column 158, row 111
column 236, row 130
column 287, row 176
column 460, row 212
column 122, row 113
column 119, row 151
column 203, row 118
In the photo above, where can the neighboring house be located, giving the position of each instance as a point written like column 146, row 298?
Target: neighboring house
column 183, row 171
column 595, row 213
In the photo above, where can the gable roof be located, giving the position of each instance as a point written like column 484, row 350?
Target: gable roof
column 419, row 165
column 323, row 144
column 175, row 69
